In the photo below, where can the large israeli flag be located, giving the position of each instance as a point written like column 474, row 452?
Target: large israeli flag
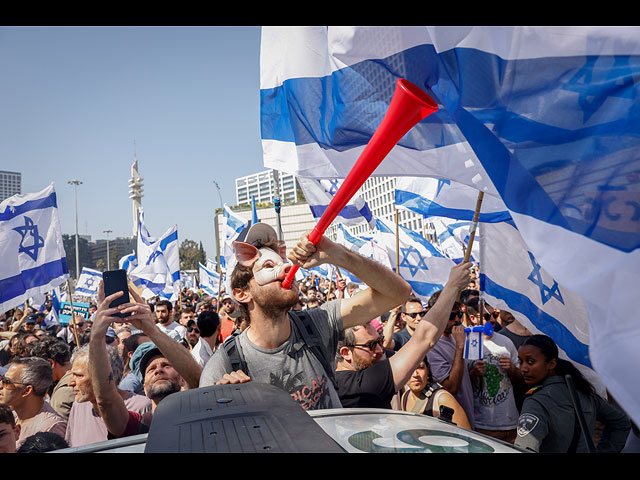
column 421, row 264
column 209, row 280
column 31, row 248
column 88, row 282
column 512, row 279
column 320, row 192
column 546, row 118
column 435, row 197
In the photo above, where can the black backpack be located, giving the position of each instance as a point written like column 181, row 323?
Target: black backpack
column 310, row 336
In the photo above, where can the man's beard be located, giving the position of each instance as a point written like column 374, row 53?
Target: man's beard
column 273, row 304
column 158, row 391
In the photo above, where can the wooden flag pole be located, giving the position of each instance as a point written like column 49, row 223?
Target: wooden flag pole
column 73, row 314
column 472, row 230
column 397, row 244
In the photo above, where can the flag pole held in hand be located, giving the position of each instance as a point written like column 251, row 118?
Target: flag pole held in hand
column 409, row 106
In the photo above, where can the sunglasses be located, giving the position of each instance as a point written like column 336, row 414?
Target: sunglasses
column 458, row 314
column 371, row 346
column 193, row 329
column 414, row 314
column 7, row 381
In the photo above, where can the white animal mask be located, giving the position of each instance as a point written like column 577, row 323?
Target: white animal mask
column 266, row 264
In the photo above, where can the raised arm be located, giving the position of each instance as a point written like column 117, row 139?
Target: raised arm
column 386, row 288
column 430, row 328
column 110, row 404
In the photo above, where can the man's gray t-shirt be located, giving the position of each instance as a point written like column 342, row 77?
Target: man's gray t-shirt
column 292, row 366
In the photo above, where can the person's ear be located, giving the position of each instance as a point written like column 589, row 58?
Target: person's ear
column 346, row 353
column 242, row 295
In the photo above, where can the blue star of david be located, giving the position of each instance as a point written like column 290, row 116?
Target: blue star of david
column 30, row 230
column 474, row 342
column 89, row 282
column 413, row 269
column 333, row 186
column 441, row 184
column 153, row 256
column 546, row 293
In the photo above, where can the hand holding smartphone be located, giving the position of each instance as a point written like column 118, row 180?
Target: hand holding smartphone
column 116, row 281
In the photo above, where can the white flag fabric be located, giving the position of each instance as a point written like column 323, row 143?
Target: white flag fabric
column 232, row 227
column 512, row 279
column 209, row 280
column 158, row 268
column 546, row 118
column 128, row 262
column 31, row 248
column 88, row 282
column 453, row 238
column 421, row 264
column 436, row 197
column 320, row 192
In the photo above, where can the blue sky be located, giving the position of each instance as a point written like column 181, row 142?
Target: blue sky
column 74, row 99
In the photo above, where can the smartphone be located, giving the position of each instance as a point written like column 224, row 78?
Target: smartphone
column 116, row 281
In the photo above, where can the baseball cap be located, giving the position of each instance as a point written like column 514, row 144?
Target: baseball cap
column 31, row 318
column 141, row 358
column 260, row 233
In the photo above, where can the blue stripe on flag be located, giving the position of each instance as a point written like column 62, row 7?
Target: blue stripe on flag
column 12, row 287
column 38, row 204
column 428, row 208
column 547, row 324
column 571, row 133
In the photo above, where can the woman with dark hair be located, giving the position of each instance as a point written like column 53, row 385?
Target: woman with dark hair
column 548, row 421
column 423, row 395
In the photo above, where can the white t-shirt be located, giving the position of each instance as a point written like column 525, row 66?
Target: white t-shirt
column 174, row 330
column 493, row 400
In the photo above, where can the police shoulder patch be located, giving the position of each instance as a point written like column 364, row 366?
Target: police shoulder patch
column 526, row 423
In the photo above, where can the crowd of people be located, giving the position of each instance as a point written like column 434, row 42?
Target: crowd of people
column 328, row 343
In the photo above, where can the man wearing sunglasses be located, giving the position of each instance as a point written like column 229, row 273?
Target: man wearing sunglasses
column 411, row 313
column 23, row 388
column 367, row 378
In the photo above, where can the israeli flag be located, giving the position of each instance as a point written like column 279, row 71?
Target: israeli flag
column 88, row 282
column 320, row 192
column 53, row 315
column 365, row 246
column 158, row 269
column 453, row 238
column 435, row 197
column 545, row 118
column 254, row 213
column 421, row 264
column 209, row 280
column 232, row 227
column 512, row 279
column 128, row 262
column 33, row 256
column 473, row 338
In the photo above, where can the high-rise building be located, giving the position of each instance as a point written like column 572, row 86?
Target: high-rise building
column 263, row 187
column 10, row 184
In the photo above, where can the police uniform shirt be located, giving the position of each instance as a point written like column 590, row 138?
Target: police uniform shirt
column 548, row 422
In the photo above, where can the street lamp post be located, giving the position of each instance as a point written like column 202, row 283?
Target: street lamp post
column 75, row 183
column 108, row 259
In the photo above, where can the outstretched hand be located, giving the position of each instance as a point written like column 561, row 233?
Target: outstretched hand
column 140, row 316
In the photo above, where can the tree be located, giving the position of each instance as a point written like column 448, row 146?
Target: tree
column 191, row 254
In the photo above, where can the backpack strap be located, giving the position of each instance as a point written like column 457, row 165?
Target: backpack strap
column 307, row 330
column 234, row 352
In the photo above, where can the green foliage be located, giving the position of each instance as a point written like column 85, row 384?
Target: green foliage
column 191, row 254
